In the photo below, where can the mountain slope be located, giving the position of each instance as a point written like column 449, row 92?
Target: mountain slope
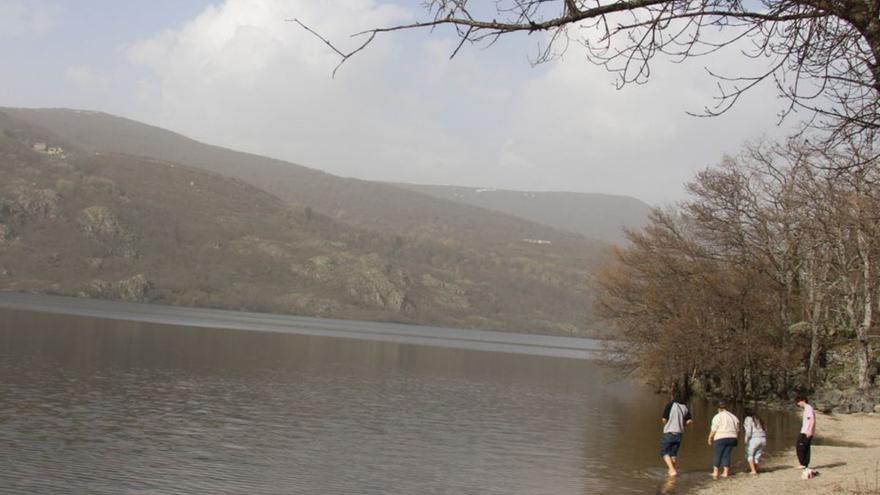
column 367, row 204
column 111, row 225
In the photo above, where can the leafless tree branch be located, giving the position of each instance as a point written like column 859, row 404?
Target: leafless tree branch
column 822, row 55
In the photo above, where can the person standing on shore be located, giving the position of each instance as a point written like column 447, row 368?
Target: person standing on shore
column 675, row 417
column 805, row 438
column 724, row 430
column 755, row 439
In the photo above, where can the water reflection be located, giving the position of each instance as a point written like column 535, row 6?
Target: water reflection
column 668, row 486
column 102, row 406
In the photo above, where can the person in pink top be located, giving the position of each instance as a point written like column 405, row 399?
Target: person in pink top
column 808, row 429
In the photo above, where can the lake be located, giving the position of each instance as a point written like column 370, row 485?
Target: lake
column 97, row 405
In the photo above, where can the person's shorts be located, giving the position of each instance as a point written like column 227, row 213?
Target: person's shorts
column 669, row 444
column 755, row 449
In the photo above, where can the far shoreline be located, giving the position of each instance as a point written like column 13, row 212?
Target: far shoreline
column 455, row 338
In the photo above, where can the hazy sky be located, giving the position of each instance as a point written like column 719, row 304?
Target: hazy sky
column 235, row 74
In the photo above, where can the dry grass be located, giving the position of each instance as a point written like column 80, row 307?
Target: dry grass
column 868, row 485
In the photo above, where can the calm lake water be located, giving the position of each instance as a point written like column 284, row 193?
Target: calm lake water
column 99, row 406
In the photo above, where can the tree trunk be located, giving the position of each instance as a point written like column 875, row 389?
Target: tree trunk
column 863, row 351
column 813, row 369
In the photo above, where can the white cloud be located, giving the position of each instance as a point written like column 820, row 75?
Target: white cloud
column 241, row 76
column 238, row 75
column 638, row 140
column 87, row 78
column 25, row 17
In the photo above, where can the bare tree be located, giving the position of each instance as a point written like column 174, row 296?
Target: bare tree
column 854, row 196
column 772, row 261
column 822, row 55
column 690, row 315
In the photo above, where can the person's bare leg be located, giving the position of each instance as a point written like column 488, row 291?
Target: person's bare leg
column 670, row 464
column 754, row 466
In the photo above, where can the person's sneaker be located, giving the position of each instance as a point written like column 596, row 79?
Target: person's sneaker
column 807, row 474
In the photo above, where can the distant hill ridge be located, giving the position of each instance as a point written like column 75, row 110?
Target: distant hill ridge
column 597, row 216
column 373, row 204
column 122, row 214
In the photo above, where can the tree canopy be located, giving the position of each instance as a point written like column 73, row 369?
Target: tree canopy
column 771, row 263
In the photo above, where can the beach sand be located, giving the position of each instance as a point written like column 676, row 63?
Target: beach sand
column 845, row 452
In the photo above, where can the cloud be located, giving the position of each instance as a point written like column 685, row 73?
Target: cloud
column 637, row 140
column 26, row 17
column 87, row 78
column 238, row 75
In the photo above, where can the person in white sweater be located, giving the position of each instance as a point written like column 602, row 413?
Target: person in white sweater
column 723, row 433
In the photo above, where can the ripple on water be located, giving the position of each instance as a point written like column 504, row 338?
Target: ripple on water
column 154, row 412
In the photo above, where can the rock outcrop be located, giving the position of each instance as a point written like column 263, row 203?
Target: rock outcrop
column 38, row 204
column 23, row 205
column 371, row 282
column 366, row 279
column 447, row 294
column 135, row 289
column 104, row 228
column 848, row 400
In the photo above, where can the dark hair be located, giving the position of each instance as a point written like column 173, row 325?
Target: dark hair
column 757, row 419
column 679, row 392
column 800, row 398
column 722, row 404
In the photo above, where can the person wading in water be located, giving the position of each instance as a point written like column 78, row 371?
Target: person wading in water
column 755, row 439
column 675, row 417
column 725, row 429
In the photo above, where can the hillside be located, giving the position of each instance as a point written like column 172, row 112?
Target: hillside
column 597, row 216
column 112, row 225
column 367, row 204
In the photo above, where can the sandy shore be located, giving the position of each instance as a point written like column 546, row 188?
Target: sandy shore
column 846, row 452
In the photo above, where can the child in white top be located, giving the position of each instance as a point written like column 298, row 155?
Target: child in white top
column 755, row 438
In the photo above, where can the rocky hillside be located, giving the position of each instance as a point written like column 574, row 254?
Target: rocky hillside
column 597, row 216
column 105, row 224
column 366, row 204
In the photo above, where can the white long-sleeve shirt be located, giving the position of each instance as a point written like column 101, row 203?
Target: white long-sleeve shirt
column 751, row 429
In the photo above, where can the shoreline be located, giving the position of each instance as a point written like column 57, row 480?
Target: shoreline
column 454, row 338
column 845, row 452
